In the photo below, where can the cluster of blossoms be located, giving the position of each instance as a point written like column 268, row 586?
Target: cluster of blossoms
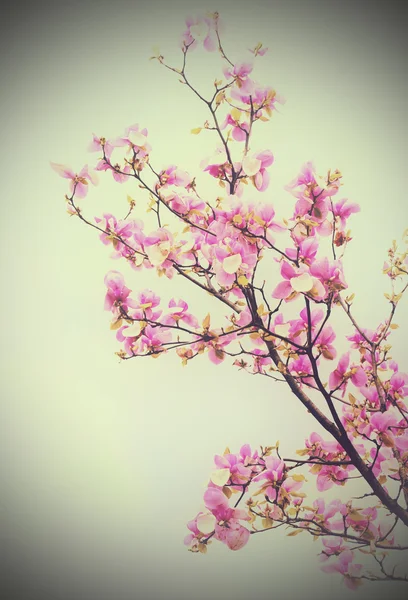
column 219, row 250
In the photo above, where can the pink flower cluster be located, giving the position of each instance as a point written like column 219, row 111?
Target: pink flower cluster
column 277, row 328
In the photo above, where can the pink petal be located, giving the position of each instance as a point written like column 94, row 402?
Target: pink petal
column 237, row 539
column 63, row 171
column 282, row 290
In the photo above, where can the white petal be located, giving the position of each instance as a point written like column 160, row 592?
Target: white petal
column 251, row 166
column 320, row 181
column 303, row 283
column 189, row 245
column 139, row 258
column 137, row 138
column 167, row 193
column 206, row 523
column 220, row 477
column 199, row 31
column 232, row 263
column 158, row 253
column 132, row 330
column 385, row 375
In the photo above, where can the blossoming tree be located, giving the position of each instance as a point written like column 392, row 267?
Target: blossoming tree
column 278, row 329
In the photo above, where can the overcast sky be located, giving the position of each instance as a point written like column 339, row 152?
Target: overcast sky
column 105, row 462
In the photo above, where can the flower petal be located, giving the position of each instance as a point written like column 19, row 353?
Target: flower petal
column 232, row 263
column 302, row 283
column 220, row 477
column 251, row 166
column 206, row 523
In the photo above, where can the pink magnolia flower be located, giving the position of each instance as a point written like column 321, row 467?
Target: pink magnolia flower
column 308, row 186
column 192, row 526
column 381, row 460
column 261, row 222
column 216, row 347
column 399, row 385
column 342, row 211
column 318, row 447
column 179, row 312
column 114, row 228
column 174, row 176
column 275, row 473
column 101, row 143
column 78, row 181
column 343, row 564
column 324, row 343
column 297, row 280
column 260, row 361
column 239, row 72
column 302, row 367
column 217, row 165
column 326, row 513
column 233, row 212
column 146, row 300
column 358, row 340
column 317, row 209
column 236, row 536
column 338, row 377
column 201, row 30
column 158, row 246
column 390, row 428
column 299, row 327
column 215, row 498
column 255, row 167
column 305, row 252
column 153, row 339
column 120, row 173
column 235, row 466
column 135, row 139
column 332, row 546
column 231, row 258
column 117, row 293
column 330, row 475
column 228, row 529
column 184, row 205
column 361, row 520
column 329, row 273
column 380, row 422
column 239, row 130
column 252, row 94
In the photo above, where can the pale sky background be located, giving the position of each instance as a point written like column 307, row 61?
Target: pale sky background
column 104, row 462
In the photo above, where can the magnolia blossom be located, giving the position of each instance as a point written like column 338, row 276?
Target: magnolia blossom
column 117, row 293
column 342, row 210
column 174, row 176
column 240, row 130
column 297, row 281
column 178, row 311
column 201, row 29
column 255, row 167
column 239, row 72
column 101, row 144
column 158, row 246
column 343, row 564
column 338, row 377
column 78, row 183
